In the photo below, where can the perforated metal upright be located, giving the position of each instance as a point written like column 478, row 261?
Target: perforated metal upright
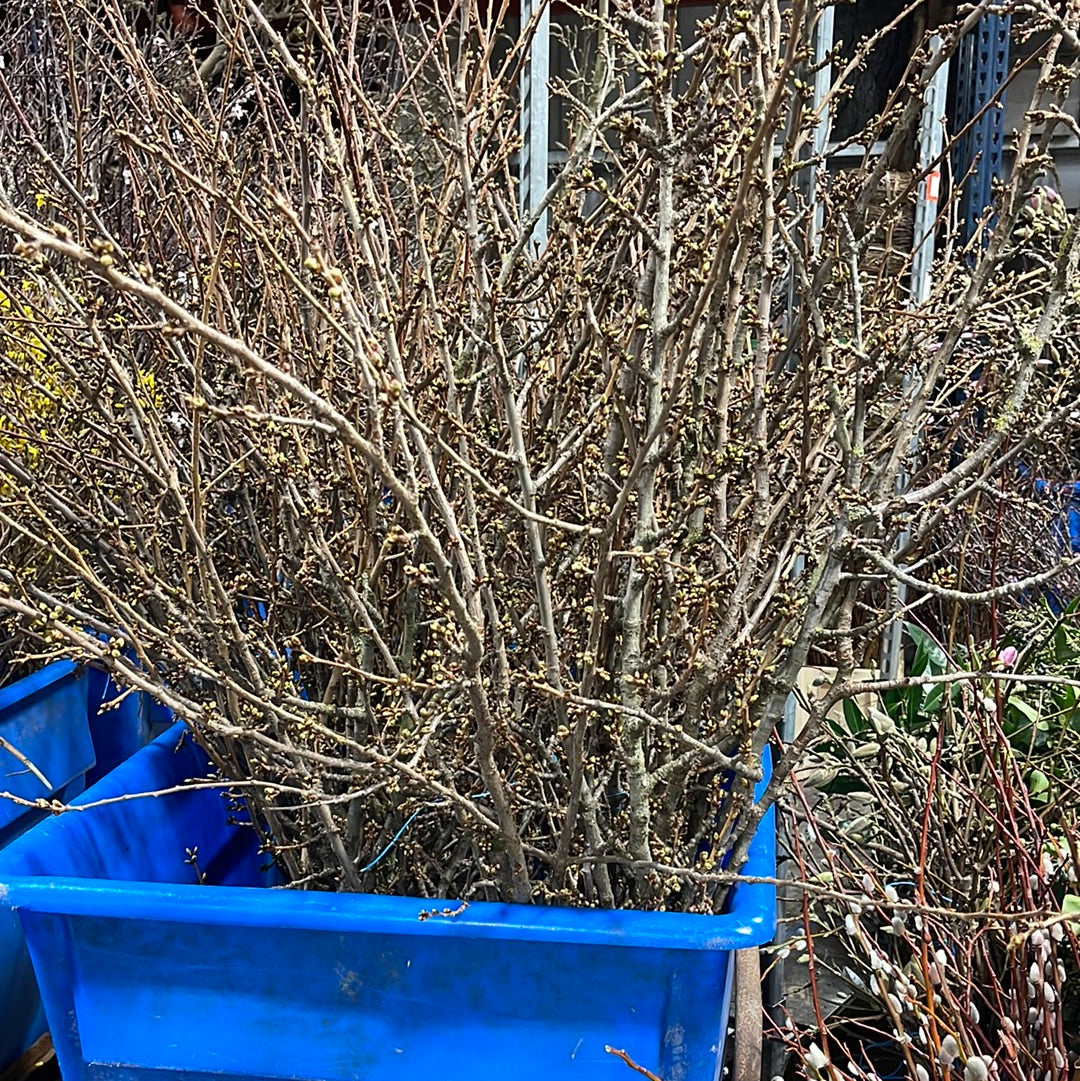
column 823, row 22
column 981, row 67
column 533, row 118
column 931, row 144
column 823, row 77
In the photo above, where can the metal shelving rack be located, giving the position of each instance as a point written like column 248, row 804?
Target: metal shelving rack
column 982, row 64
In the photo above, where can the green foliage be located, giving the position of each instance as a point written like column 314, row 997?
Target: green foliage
column 918, row 706
column 913, row 710
column 1045, row 717
column 1040, row 718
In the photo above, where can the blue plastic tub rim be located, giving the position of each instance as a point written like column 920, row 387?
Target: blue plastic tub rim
column 750, row 919
column 21, row 689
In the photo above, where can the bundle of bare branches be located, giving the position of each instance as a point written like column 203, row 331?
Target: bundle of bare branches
column 488, row 559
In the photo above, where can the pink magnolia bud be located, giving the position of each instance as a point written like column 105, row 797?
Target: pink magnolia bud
column 1008, row 656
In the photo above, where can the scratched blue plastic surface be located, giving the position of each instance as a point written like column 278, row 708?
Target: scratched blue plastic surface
column 53, row 718
column 120, row 723
column 147, row 974
column 45, row 717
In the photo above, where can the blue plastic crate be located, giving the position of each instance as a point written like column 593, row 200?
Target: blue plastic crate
column 45, row 717
column 145, row 973
column 54, row 718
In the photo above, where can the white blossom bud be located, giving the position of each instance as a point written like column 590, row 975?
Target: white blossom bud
column 948, row 1051
column 815, row 1058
